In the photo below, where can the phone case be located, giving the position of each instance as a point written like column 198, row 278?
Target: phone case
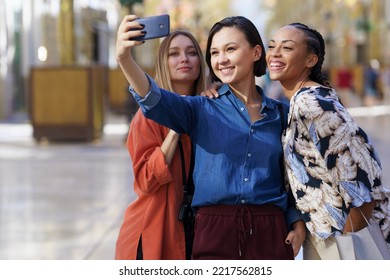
column 155, row 27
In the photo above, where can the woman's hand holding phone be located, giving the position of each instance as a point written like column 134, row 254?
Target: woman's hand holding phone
column 133, row 31
column 129, row 28
column 154, row 27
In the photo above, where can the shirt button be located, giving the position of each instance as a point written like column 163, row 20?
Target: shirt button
column 252, row 130
column 242, row 109
column 245, row 179
column 243, row 201
column 249, row 154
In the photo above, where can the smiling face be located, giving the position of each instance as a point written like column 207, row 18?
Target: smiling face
column 183, row 60
column 288, row 58
column 231, row 56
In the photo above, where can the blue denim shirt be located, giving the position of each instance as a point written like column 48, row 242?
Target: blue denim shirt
column 237, row 161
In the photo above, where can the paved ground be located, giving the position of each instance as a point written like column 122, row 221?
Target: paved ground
column 62, row 200
column 66, row 200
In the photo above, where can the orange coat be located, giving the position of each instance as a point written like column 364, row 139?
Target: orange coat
column 153, row 215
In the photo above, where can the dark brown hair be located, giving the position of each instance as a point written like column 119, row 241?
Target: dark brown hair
column 252, row 35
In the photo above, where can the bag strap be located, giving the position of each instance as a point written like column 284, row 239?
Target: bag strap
column 183, row 164
column 364, row 217
column 186, row 197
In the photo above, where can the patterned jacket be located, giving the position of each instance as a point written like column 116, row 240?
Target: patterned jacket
column 331, row 165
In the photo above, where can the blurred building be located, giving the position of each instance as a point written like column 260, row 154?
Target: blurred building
column 50, row 33
column 82, row 33
column 355, row 30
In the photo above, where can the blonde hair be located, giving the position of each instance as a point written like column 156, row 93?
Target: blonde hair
column 162, row 76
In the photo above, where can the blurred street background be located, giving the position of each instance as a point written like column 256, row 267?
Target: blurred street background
column 65, row 173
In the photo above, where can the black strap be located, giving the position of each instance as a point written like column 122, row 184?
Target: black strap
column 183, row 164
column 187, row 184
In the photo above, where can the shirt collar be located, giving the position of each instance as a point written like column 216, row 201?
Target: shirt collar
column 267, row 102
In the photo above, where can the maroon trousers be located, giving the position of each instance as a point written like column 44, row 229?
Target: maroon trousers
column 248, row 232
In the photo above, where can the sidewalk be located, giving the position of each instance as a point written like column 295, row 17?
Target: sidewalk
column 65, row 201
column 62, row 201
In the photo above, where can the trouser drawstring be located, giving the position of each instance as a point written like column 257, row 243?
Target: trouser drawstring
column 239, row 221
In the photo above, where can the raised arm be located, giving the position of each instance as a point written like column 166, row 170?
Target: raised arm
column 133, row 73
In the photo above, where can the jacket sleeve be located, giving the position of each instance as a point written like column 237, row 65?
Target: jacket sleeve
column 339, row 135
column 144, row 145
column 344, row 148
column 169, row 109
column 292, row 214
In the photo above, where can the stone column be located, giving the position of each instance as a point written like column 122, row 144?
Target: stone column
column 66, row 33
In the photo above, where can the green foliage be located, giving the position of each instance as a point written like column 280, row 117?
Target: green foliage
column 129, row 3
column 364, row 25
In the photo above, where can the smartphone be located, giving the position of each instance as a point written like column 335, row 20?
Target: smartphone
column 155, row 27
